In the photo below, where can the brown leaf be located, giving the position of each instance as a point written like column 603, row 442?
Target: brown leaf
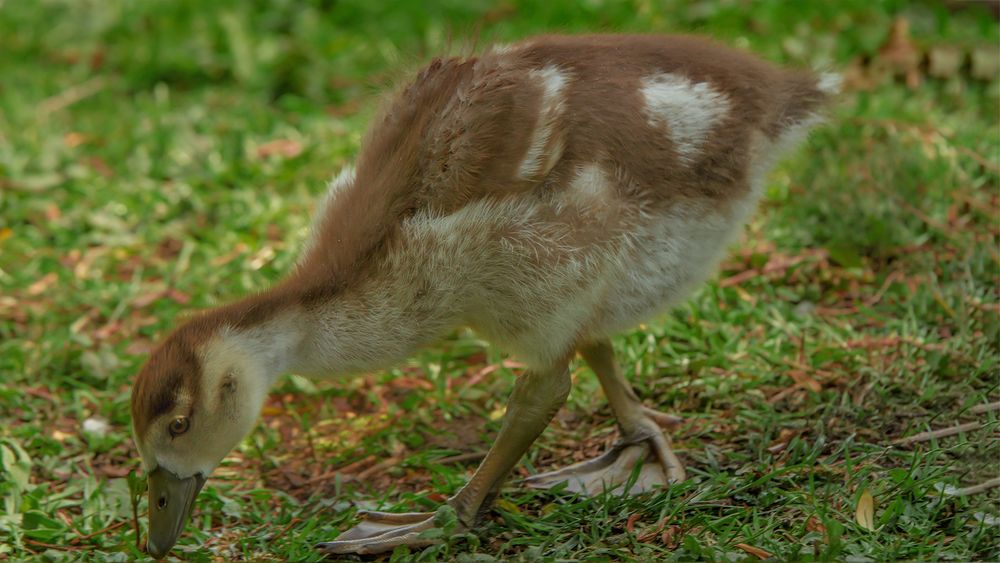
column 52, row 212
column 653, row 531
column 864, row 514
column 630, row 524
column 350, row 107
column 43, row 284
column 271, row 410
column 40, row 392
column 781, row 442
column 125, row 271
column 169, row 248
column 671, row 537
column 100, row 166
column 813, row 524
column 355, row 466
column 178, row 296
column 293, row 479
column 755, row 551
column 260, row 258
column 739, row 278
column 107, row 330
column 803, row 379
column 139, row 348
column 74, row 139
column 113, row 471
column 60, row 436
column 228, row 257
column 436, row 497
column 898, row 52
column 286, row 148
column 412, row 383
column 97, row 59
column 146, row 299
column 899, row 56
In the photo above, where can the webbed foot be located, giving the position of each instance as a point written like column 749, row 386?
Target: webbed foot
column 380, row 532
column 612, row 470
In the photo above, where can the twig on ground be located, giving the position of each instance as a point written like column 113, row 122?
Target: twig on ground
column 287, row 527
column 755, row 551
column 940, row 433
column 777, row 398
column 72, row 95
column 986, row 407
column 980, row 159
column 344, row 471
column 975, row 489
column 486, row 370
column 378, row 467
column 104, row 530
column 351, row 467
column 52, row 545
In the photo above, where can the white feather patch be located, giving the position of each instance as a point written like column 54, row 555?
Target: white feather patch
column 590, row 184
column 689, row 110
column 541, row 154
column 830, row 83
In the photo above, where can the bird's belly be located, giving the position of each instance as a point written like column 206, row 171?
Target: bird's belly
column 666, row 260
column 544, row 287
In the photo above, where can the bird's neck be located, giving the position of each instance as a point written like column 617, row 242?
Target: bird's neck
column 367, row 327
column 262, row 333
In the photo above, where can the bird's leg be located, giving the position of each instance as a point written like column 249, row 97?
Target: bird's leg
column 641, row 440
column 536, row 397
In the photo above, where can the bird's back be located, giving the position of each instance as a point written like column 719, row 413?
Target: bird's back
column 563, row 188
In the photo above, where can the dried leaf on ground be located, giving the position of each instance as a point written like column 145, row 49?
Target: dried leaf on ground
column 864, row 515
column 43, row 284
column 813, row 524
column 233, row 254
column 755, row 551
column 899, row 56
column 286, row 148
column 803, row 379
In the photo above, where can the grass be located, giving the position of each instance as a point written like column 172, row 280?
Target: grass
column 158, row 157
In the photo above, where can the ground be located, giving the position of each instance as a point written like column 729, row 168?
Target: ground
column 160, row 157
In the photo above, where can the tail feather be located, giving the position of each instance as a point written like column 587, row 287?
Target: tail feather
column 830, row 83
column 802, row 98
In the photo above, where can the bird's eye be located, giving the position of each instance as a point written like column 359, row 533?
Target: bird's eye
column 179, row 425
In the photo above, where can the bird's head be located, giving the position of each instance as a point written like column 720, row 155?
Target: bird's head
column 196, row 397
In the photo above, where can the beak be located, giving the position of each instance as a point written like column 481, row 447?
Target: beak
column 170, row 502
